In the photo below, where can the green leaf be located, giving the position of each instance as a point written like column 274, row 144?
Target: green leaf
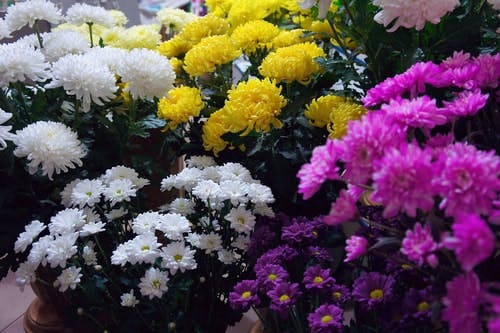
column 151, row 122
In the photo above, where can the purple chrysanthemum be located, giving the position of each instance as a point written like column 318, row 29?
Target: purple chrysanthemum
column 489, row 70
column 315, row 277
column 468, row 180
column 318, row 253
column 373, row 288
column 419, row 112
column 297, row 233
column 467, row 103
column 401, row 181
column 472, row 240
column 356, row 246
column 462, row 304
column 277, row 256
column 458, row 59
column 244, row 295
column 284, row 295
column 418, row 245
column 340, row 294
column 326, row 319
column 269, row 275
column 417, row 303
column 342, row 210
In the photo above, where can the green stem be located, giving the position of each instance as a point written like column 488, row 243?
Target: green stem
column 90, row 32
column 38, row 35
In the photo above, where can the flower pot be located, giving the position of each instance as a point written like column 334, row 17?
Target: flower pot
column 42, row 315
column 256, row 328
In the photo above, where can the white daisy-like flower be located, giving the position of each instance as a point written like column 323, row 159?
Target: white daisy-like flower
column 175, row 18
column 116, row 213
column 120, row 255
column 67, row 191
column 67, row 221
column 89, row 255
column 200, row 161
column 27, row 12
column 58, row 44
column 207, row 190
column 128, row 299
column 123, row 172
column 143, row 249
column 210, row 242
column 119, row 17
column 234, row 171
column 25, row 274
column 68, row 279
column 90, row 215
column 81, row 13
column 53, row 146
column 92, row 228
column 260, row 194
column 61, row 249
column 147, row 73
column 241, row 242
column 154, row 283
column 87, row 193
column 186, row 179
column 174, row 226
column 242, row 220
column 182, row 206
column 38, row 252
column 235, row 191
column 4, row 30
column 177, row 256
column 412, row 14
column 263, row 210
column 146, row 222
column 120, row 190
column 20, row 62
column 211, row 173
column 193, row 239
column 25, row 238
column 226, row 257
column 85, row 77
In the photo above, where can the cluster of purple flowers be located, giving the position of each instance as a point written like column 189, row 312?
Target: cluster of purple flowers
column 433, row 174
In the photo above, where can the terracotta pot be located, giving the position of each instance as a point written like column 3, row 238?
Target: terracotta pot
column 256, row 328
column 42, row 315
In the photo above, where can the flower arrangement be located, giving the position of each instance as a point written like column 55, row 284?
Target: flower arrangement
column 168, row 270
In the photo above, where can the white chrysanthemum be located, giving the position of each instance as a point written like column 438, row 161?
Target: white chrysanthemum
column 90, row 215
column 226, row 257
column 67, row 191
column 120, row 190
column 67, row 221
column 87, row 193
column 182, row 206
column 177, row 256
column 235, row 171
column 38, row 253
column 89, row 255
column 412, row 14
column 211, row 173
column 58, row 44
column 81, row 13
column 235, row 191
column 242, row 220
column 207, row 190
column 116, row 213
column 241, row 242
column 193, row 239
column 146, row 222
column 85, row 77
column 27, row 12
column 25, row 274
column 143, row 249
column 120, row 256
column 69, row 278
column 53, row 146
column 128, row 299
column 4, row 30
column 110, row 56
column 210, row 242
column 25, row 238
column 175, row 18
column 92, row 228
column 119, row 17
column 147, row 73
column 123, row 172
column 61, row 249
column 174, row 226
column 154, row 283
column 200, row 161
column 5, row 130
column 20, row 62
column 259, row 194
column 263, row 210
column 186, row 179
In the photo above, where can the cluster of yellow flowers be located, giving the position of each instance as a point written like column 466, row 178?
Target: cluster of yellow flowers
column 180, row 105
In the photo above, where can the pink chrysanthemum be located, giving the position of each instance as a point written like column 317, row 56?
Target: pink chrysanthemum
column 402, row 180
column 467, row 103
column 472, row 240
column 418, row 245
column 468, row 180
column 355, row 248
column 462, row 77
column 458, row 59
column 418, row 112
column 365, row 142
column 462, row 304
column 412, row 81
column 343, row 209
column 322, row 167
column 489, row 70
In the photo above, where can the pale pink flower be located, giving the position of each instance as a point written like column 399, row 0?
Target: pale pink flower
column 355, row 248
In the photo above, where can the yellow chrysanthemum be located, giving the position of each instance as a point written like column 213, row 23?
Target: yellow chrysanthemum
column 255, row 35
column 211, row 52
column 321, row 27
column 288, row 37
column 254, row 105
column 175, row 18
column 292, row 63
column 180, row 105
column 140, row 36
column 243, row 11
column 111, row 37
column 291, row 5
column 340, row 117
column 119, row 17
column 174, row 47
column 318, row 111
column 213, row 129
column 176, row 65
column 219, row 7
column 209, row 25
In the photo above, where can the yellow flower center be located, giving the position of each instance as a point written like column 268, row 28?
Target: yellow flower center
column 177, row 257
column 88, row 193
column 315, row 233
column 318, row 280
column 156, row 284
column 326, row 319
column 145, row 248
column 119, row 192
column 241, row 220
column 246, row 295
column 406, row 266
column 376, row 294
column 423, row 306
column 284, row 298
column 337, row 295
column 272, row 277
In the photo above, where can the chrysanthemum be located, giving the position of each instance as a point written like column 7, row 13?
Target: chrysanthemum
column 234, row 191
column 326, row 318
column 89, row 255
column 61, row 249
column 209, row 25
column 210, row 242
column 5, row 130
column 129, row 299
column 411, row 14
column 146, row 222
column 182, row 206
column 20, row 62
column 462, row 303
column 472, row 240
column 57, row 44
column 119, row 17
column 53, row 146
column 177, row 256
column 174, row 19
column 343, row 209
column 242, row 12
column 25, row 274
column 4, row 30
column 143, row 248
column 242, row 220
column 174, row 226
column 67, row 221
column 269, row 275
column 283, row 296
column 468, row 180
column 253, row 36
column 356, row 246
column 69, row 278
column 81, row 13
column 123, row 172
column 180, row 105
column 25, row 238
column 288, row 37
column 231, row 171
column 174, row 47
column 153, row 283
column 85, row 77
column 87, row 193
column 200, row 161
column 91, row 228
column 119, row 190
column 213, row 129
column 138, row 36
column 30, row 11
column 373, row 288
column 466, row 103
column 418, row 245
column 260, row 195
column 244, row 295
column 147, row 74
column 292, row 63
column 315, row 277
